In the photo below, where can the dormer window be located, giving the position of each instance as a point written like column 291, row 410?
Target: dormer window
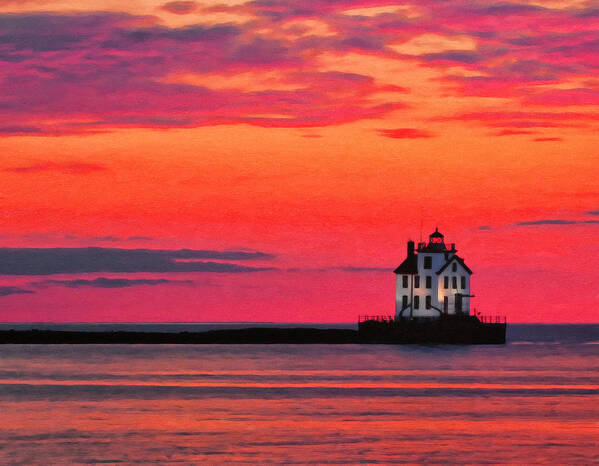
column 428, row 262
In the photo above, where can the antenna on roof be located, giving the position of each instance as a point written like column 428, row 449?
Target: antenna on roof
column 421, row 229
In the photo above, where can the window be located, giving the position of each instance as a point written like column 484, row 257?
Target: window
column 445, row 282
column 428, row 262
column 445, row 304
column 428, row 302
column 454, row 267
column 404, row 301
column 416, row 302
column 454, row 282
column 405, row 281
column 416, row 281
column 463, row 283
column 429, row 281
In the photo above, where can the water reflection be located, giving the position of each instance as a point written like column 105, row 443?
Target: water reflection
column 518, row 404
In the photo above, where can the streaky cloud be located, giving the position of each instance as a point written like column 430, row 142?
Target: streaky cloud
column 180, row 7
column 343, row 268
column 523, row 120
column 352, row 268
column 49, row 261
column 102, row 282
column 61, row 237
column 110, row 238
column 405, row 133
column 72, row 168
column 10, row 290
column 460, row 56
column 20, row 130
column 556, row 222
column 565, row 97
column 505, row 8
column 548, row 139
column 512, row 132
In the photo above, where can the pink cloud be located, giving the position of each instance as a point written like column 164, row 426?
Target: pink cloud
column 95, row 71
column 552, row 139
column 180, row 7
column 71, row 168
column 499, row 119
column 405, row 133
column 565, row 97
column 512, row 132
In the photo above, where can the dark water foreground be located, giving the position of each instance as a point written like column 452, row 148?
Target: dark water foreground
column 534, row 400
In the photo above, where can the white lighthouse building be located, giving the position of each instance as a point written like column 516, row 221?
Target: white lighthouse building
column 433, row 280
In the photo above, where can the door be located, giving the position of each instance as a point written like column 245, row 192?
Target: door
column 458, row 303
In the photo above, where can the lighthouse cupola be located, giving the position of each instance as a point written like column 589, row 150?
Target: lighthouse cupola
column 436, row 241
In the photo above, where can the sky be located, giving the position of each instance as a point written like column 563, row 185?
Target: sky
column 267, row 160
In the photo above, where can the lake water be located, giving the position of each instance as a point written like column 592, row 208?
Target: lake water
column 534, row 400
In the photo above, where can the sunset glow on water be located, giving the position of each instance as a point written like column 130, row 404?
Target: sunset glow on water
column 527, row 402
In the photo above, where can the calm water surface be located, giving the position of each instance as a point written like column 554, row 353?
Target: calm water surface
column 532, row 401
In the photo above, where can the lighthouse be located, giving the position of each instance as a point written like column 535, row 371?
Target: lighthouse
column 432, row 281
column 432, row 302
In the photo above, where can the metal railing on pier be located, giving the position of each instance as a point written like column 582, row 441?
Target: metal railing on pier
column 379, row 318
column 492, row 319
column 487, row 319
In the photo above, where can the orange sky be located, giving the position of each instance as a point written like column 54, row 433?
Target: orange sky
column 322, row 133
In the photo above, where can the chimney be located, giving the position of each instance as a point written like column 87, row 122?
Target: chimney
column 410, row 248
column 453, row 246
